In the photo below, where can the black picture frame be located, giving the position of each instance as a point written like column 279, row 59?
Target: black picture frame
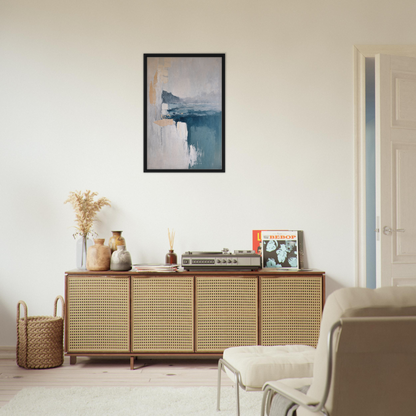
column 184, row 112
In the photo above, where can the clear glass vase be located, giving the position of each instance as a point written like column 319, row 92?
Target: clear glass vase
column 81, row 252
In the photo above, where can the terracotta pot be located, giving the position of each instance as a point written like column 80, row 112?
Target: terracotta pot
column 116, row 240
column 98, row 256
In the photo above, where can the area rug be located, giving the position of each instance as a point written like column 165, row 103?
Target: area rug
column 130, row 401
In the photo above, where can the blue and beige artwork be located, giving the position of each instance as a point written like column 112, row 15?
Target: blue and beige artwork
column 184, row 113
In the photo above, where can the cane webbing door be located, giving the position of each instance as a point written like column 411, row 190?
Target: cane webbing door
column 291, row 309
column 162, row 314
column 226, row 312
column 98, row 314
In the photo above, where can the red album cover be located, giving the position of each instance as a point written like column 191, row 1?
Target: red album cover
column 257, row 241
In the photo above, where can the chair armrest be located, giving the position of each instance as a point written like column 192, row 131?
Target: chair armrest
column 308, row 402
column 291, row 393
column 294, row 383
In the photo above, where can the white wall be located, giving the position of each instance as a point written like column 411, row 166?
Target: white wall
column 71, row 118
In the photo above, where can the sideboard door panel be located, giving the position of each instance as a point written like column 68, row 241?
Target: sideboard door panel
column 226, row 312
column 98, row 309
column 162, row 314
column 291, row 309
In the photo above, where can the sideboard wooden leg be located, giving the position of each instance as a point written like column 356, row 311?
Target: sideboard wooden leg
column 72, row 359
column 131, row 363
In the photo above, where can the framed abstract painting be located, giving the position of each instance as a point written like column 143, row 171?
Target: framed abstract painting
column 184, row 113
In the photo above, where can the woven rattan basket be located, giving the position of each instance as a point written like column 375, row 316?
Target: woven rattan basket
column 40, row 338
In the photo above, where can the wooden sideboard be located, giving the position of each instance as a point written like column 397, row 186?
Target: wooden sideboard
column 189, row 313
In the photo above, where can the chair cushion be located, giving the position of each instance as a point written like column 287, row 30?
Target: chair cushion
column 258, row 364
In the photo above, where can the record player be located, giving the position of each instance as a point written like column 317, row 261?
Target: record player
column 240, row 260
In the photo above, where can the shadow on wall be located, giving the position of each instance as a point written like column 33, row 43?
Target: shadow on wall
column 331, row 285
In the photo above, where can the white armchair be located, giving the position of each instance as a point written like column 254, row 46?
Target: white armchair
column 365, row 363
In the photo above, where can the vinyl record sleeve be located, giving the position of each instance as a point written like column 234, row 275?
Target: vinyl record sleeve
column 279, row 248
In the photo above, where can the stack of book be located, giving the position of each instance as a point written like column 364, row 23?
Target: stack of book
column 155, row 267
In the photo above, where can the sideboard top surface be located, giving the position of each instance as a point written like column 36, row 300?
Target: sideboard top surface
column 262, row 272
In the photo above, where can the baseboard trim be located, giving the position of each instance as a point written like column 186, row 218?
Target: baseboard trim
column 7, row 352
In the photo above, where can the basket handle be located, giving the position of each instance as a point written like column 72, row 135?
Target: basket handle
column 21, row 302
column 24, row 340
column 56, row 306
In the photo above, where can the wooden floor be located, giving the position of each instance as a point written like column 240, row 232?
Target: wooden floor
column 109, row 372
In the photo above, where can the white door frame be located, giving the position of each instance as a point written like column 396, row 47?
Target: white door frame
column 360, row 53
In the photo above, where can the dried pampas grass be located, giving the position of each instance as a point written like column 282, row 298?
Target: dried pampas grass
column 85, row 210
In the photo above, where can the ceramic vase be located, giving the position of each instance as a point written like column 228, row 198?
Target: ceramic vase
column 116, row 240
column 82, row 246
column 98, row 256
column 171, row 258
column 121, row 259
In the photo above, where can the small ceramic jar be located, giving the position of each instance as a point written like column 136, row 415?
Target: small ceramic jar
column 121, row 259
column 116, row 240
